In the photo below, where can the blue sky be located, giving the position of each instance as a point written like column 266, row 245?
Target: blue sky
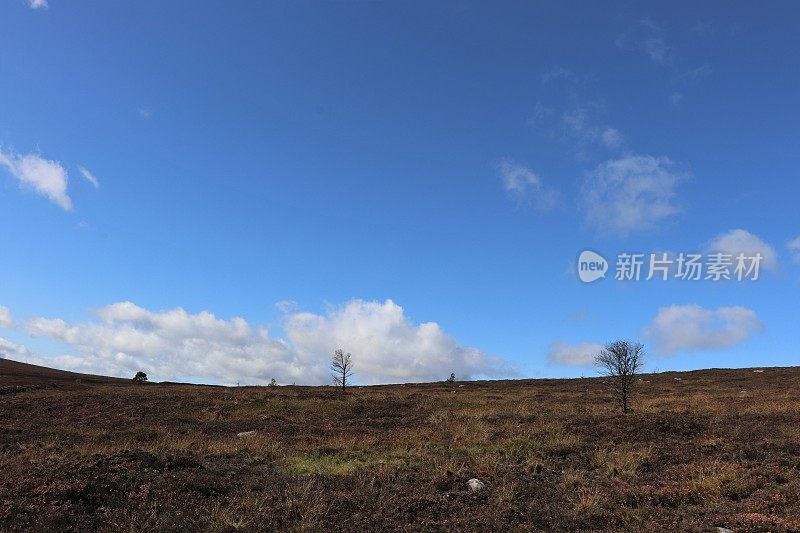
column 410, row 182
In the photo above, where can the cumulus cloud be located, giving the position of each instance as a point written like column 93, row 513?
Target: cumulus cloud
column 386, row 345
column 582, row 354
column 691, row 327
column 740, row 241
column 794, row 248
column 38, row 4
column 45, row 177
column 175, row 344
column 88, row 176
column 12, row 350
column 525, row 185
column 632, row 193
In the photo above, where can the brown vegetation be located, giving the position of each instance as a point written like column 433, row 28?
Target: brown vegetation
column 718, row 448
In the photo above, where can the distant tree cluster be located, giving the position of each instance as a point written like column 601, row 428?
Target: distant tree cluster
column 139, row 378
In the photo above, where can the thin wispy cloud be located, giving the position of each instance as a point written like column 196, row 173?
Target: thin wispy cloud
column 144, row 112
column 286, row 306
column 525, row 185
column 45, row 177
column 794, row 248
column 6, row 320
column 693, row 74
column 649, row 38
column 88, row 176
column 575, row 118
column 630, row 194
column 574, row 355
column 558, row 73
column 38, row 4
column 577, row 125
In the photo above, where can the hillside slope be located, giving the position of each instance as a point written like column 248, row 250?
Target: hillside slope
column 13, row 373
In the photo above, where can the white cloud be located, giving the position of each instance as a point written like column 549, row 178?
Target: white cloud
column 46, row 177
column 691, row 327
column 13, row 350
column 144, row 112
column 524, row 184
column 386, row 345
column 38, row 4
column 739, row 241
column 563, row 354
column 794, row 248
column 6, row 320
column 171, row 344
column 88, row 176
column 633, row 193
column 174, row 344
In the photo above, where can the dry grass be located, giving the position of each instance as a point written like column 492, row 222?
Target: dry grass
column 621, row 461
column 555, row 456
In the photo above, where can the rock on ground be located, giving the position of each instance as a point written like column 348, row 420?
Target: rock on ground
column 475, row 484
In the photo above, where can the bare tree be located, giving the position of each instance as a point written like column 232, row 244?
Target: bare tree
column 342, row 367
column 621, row 361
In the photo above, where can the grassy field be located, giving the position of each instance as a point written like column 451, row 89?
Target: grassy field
column 716, row 448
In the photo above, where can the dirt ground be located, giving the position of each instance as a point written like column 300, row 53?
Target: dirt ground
column 700, row 450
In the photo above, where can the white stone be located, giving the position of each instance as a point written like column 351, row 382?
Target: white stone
column 246, row 434
column 475, row 484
